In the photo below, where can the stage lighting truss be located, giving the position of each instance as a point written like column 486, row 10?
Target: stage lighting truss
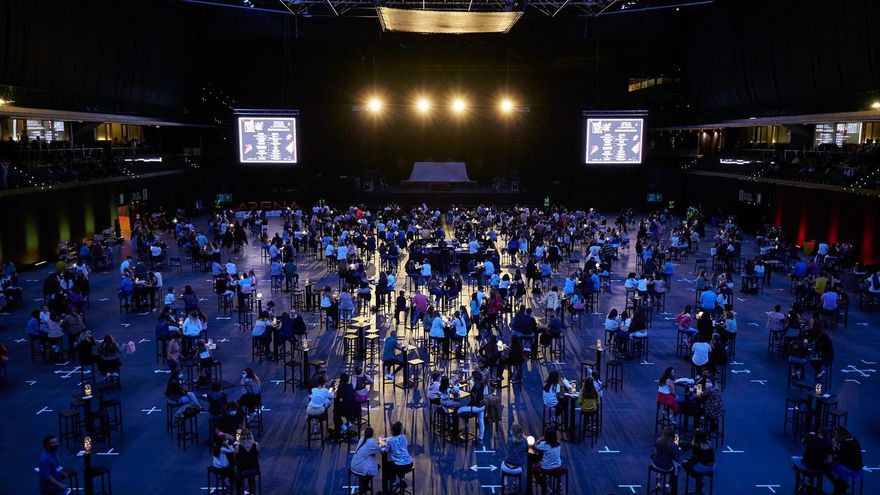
column 552, row 8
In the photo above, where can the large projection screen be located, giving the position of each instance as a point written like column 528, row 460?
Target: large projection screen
column 267, row 139
column 614, row 140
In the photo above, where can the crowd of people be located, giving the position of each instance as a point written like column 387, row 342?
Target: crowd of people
column 474, row 288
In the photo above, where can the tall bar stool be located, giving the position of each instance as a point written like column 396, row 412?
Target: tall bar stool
column 68, row 427
column 555, row 482
column 614, row 374
column 661, row 481
column 806, row 481
column 102, row 473
column 699, row 481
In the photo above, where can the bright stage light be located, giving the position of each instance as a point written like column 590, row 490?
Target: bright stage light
column 423, row 105
column 458, row 105
column 375, row 104
column 876, row 105
column 506, row 105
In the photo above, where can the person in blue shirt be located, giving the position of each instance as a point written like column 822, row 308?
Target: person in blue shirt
column 708, row 300
column 800, row 269
column 51, row 474
column 668, row 269
column 390, row 361
column 33, row 324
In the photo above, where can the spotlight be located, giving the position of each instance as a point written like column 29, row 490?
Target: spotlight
column 423, row 105
column 876, row 105
column 458, row 105
column 506, row 105
column 375, row 104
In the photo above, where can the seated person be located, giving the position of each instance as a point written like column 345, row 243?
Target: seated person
column 391, row 363
column 551, row 457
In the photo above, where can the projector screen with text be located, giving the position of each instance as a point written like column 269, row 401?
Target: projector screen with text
column 267, row 139
column 614, row 140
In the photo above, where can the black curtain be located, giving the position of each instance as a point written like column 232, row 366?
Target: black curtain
column 763, row 58
column 102, row 55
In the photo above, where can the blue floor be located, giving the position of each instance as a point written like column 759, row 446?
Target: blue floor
column 753, row 459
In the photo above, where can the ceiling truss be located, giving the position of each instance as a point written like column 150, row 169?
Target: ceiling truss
column 367, row 8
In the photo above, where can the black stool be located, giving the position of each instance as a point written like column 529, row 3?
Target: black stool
column 103, row 473
column 467, row 435
column 113, row 409
column 806, row 481
column 699, row 481
column 591, row 423
column 549, row 418
column 260, row 348
column 555, row 482
column 72, row 479
column 253, row 479
column 161, row 349
column 835, row 417
column 660, row 479
column 640, row 346
column 512, row 483
column 295, row 367
column 170, row 407
column 188, row 428
column 68, row 427
column 316, row 434
column 215, row 480
column 662, row 415
column 682, row 343
column 614, row 374
column 367, row 485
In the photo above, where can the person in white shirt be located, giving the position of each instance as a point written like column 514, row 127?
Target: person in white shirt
column 320, row 398
column 551, row 300
column 192, row 326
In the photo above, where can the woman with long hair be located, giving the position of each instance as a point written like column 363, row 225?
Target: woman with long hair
column 363, row 462
column 666, row 390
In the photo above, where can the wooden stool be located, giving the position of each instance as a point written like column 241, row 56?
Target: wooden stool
column 614, row 374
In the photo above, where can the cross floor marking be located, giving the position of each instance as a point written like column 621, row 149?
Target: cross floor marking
column 44, row 409
column 608, row 451
column 735, row 363
column 868, row 362
column 151, row 410
column 143, row 340
column 854, row 381
column 103, row 299
column 109, row 452
column 19, row 341
column 762, row 382
column 224, row 339
column 277, row 382
column 484, row 451
column 65, row 363
column 67, row 373
column 31, row 382
column 646, row 363
column 729, row 450
column 865, row 373
column 632, row 488
column 125, row 325
column 491, row 487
